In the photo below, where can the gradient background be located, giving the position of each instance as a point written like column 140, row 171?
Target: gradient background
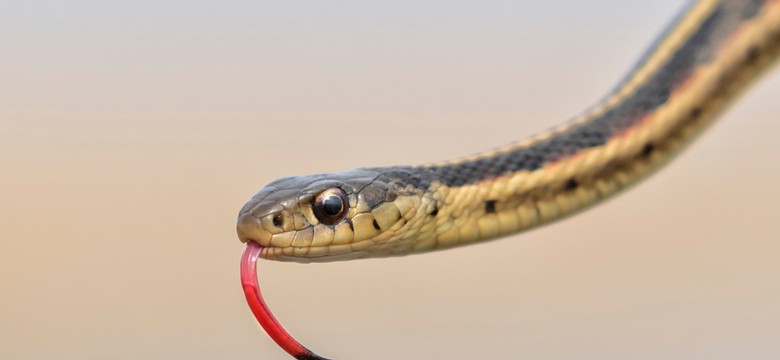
column 131, row 133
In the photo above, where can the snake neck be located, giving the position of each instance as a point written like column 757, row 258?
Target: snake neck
column 710, row 54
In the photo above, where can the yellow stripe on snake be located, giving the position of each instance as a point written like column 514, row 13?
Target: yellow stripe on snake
column 699, row 65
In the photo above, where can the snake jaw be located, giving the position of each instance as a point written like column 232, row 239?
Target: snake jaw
column 261, row 311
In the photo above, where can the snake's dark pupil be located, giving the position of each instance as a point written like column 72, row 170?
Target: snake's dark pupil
column 332, row 205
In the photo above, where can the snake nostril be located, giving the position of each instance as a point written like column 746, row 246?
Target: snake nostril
column 278, row 220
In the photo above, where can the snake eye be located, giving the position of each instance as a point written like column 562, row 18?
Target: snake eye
column 330, row 206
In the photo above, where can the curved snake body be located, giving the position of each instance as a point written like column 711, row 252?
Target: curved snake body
column 710, row 54
column 712, row 51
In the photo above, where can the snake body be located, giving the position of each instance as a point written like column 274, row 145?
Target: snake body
column 711, row 52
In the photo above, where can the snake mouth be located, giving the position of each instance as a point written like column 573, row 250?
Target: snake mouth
column 277, row 253
column 306, row 254
column 261, row 311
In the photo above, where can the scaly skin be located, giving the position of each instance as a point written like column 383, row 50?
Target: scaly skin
column 701, row 63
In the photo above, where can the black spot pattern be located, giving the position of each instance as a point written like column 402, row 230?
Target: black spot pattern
column 572, row 184
column 648, row 149
column 490, row 206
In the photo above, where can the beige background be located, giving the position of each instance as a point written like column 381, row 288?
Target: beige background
column 131, row 133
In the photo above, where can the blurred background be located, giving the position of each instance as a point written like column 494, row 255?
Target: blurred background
column 132, row 132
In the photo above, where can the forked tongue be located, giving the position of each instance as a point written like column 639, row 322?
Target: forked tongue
column 261, row 311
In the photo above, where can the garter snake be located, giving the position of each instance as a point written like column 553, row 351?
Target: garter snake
column 698, row 66
column 711, row 52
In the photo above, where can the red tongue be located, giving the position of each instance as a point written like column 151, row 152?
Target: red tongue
column 261, row 311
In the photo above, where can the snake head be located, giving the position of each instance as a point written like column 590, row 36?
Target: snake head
column 327, row 217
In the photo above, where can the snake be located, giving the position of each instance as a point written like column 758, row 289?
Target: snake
column 712, row 51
